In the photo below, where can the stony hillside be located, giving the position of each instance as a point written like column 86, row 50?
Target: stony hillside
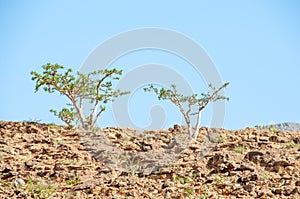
column 286, row 126
column 49, row 161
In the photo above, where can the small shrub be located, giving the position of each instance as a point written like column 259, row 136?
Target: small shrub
column 292, row 144
column 40, row 189
column 180, row 179
column 265, row 176
column 204, row 192
column 194, row 176
column 239, row 149
column 133, row 165
column 219, row 180
column 273, row 129
column 73, row 181
column 189, row 192
column 221, row 140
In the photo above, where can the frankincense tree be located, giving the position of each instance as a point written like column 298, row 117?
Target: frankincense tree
column 96, row 87
column 193, row 100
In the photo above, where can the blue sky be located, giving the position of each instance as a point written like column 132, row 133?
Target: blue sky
column 254, row 44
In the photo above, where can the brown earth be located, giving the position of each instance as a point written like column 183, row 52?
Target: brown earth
column 50, row 161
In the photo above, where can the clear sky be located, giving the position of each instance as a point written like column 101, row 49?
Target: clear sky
column 254, row 44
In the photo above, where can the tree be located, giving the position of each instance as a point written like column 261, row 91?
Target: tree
column 96, row 87
column 193, row 100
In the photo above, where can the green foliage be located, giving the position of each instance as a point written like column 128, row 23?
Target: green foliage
column 67, row 115
column 182, row 180
column 40, row 189
column 177, row 98
column 188, row 182
column 189, row 192
column 239, row 149
column 292, row 144
column 221, row 140
column 265, row 176
column 194, row 176
column 219, row 180
column 73, row 181
column 273, row 129
column 193, row 100
column 5, row 183
column 54, row 126
column 156, row 172
column 95, row 87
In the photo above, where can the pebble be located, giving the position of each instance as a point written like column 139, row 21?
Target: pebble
column 18, row 182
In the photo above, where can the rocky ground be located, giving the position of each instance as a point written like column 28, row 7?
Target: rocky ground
column 50, row 161
column 286, row 126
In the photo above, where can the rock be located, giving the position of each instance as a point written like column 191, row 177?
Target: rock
column 36, row 148
column 273, row 138
column 289, row 168
column 287, row 127
column 295, row 191
column 244, row 168
column 33, row 129
column 263, row 139
column 256, row 157
column 77, row 166
column 215, row 161
column 18, row 182
column 277, row 166
column 112, row 136
column 296, row 140
column 249, row 178
column 195, row 146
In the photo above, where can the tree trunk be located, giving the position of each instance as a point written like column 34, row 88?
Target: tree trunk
column 196, row 132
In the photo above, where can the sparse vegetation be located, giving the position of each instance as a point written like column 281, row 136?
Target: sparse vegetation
column 265, row 176
column 182, row 180
column 156, row 172
column 73, row 181
column 221, row 140
column 6, row 183
column 193, row 100
column 219, row 179
column 194, row 176
column 204, row 193
column 273, row 129
column 189, row 192
column 188, row 183
column 66, row 170
column 52, row 125
column 132, row 165
column 94, row 87
column 69, row 161
column 239, row 149
column 39, row 189
column 292, row 144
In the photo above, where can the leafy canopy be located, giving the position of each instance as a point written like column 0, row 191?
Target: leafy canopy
column 179, row 100
column 96, row 87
